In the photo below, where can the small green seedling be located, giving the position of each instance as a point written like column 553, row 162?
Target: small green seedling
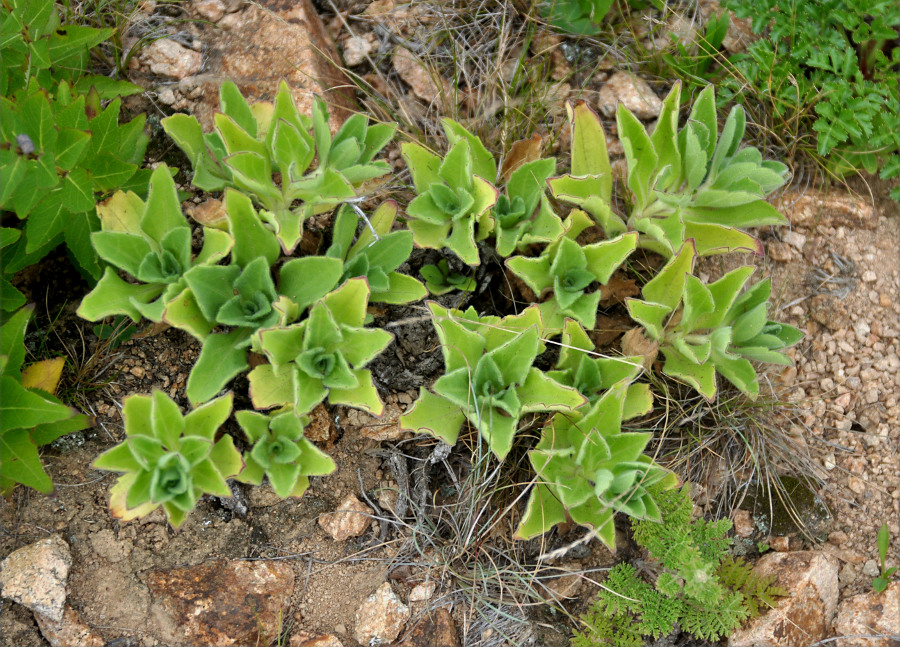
column 880, row 583
column 440, row 279
column 169, row 459
column 522, row 214
column 281, row 453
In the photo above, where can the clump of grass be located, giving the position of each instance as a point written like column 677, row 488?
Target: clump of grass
column 734, row 446
column 455, row 521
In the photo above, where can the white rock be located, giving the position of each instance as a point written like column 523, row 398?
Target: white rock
column 35, row 576
column 633, row 92
column 351, row 519
column 169, row 58
column 381, row 617
column 422, row 592
column 356, row 49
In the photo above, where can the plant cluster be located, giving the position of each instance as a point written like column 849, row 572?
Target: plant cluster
column 832, row 66
column 60, row 149
column 247, row 292
column 692, row 582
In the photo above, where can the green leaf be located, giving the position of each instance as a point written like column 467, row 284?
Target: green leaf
column 270, row 386
column 24, row 409
column 20, row 461
column 589, row 154
column 666, row 288
column 222, row 358
column 422, row 165
column 364, row 396
column 113, row 296
column 483, row 163
column 235, row 106
column 294, row 279
column 432, row 414
column 700, row 376
column 251, row 238
column 542, row 512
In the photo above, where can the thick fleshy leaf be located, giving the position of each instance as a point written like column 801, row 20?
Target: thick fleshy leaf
column 667, row 287
column 434, row 415
column 700, row 376
column 364, row 396
column 251, row 238
column 270, row 386
column 295, row 280
column 589, row 154
column 222, row 358
column 542, row 393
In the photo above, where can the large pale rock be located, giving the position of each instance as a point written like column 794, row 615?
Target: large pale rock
column 381, row 617
column 211, row 10
column 813, row 208
column 869, row 614
column 221, row 603
column 69, row 631
column 35, row 576
column 305, row 639
column 805, row 616
column 266, row 42
column 351, row 519
column 633, row 92
column 436, row 629
column 166, row 57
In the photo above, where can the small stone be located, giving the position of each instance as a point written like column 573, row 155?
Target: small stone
column 166, row 57
column 743, row 523
column 779, row 251
column 422, row 592
column 69, row 631
column 780, row 544
column 351, row 519
column 434, row 630
column 633, row 92
column 838, row 537
column 381, row 617
column 856, row 484
column 843, row 401
column 871, row 568
column 869, row 276
column 167, row 96
column 795, row 239
column 357, row 49
column 884, row 300
column 830, row 461
column 138, row 371
column 35, row 576
column 869, row 619
column 211, row 10
column 221, row 603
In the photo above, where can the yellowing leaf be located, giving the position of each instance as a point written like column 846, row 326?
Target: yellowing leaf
column 121, row 212
column 44, row 375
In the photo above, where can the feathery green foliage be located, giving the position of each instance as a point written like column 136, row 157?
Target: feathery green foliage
column 698, row 586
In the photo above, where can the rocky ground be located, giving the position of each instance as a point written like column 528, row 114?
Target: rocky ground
column 336, row 567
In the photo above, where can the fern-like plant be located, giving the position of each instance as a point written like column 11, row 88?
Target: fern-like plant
column 694, row 583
